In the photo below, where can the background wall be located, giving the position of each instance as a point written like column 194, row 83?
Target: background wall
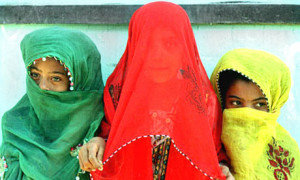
column 93, row 2
column 212, row 40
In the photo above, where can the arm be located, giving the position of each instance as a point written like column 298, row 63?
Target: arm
column 91, row 154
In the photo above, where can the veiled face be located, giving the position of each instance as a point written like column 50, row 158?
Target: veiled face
column 164, row 55
column 245, row 94
column 50, row 75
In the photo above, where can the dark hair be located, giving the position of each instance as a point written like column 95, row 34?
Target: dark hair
column 226, row 78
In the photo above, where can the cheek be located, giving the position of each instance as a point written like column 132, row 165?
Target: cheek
column 175, row 60
column 228, row 105
column 65, row 86
column 60, row 87
column 37, row 81
column 263, row 109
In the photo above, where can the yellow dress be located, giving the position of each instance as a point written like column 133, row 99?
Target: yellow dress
column 258, row 147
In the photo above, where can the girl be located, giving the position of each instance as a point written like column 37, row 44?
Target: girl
column 253, row 85
column 60, row 111
column 163, row 118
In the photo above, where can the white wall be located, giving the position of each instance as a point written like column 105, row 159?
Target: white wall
column 94, row 2
column 213, row 41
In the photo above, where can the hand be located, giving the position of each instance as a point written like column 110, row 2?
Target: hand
column 91, row 154
column 225, row 170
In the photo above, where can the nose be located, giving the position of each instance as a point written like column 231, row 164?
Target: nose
column 44, row 84
column 157, row 50
column 248, row 105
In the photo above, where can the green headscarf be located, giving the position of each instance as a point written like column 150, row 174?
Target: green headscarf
column 40, row 130
column 258, row 147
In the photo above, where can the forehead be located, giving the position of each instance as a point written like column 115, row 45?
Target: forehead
column 49, row 65
column 244, row 88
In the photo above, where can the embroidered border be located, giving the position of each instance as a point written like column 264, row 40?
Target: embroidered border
column 280, row 161
column 61, row 62
column 3, row 167
column 146, row 136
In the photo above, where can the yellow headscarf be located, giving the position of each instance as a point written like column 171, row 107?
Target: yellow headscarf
column 258, row 147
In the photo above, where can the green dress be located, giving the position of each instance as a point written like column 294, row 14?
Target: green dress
column 40, row 131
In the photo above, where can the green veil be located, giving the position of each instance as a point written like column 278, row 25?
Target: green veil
column 258, row 147
column 40, row 130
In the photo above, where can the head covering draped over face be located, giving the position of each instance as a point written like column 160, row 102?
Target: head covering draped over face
column 160, row 87
column 256, row 144
column 40, row 130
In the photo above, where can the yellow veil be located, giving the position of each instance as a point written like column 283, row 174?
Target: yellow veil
column 258, row 147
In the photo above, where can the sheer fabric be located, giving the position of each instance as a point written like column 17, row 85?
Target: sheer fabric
column 40, row 130
column 160, row 88
column 258, row 147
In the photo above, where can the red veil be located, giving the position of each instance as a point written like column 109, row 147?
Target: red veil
column 160, row 87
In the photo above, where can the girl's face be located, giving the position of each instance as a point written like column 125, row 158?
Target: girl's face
column 245, row 94
column 50, row 75
column 164, row 55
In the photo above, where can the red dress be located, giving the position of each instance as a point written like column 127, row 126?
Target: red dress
column 160, row 88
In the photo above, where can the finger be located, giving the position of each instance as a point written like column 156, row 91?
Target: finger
column 101, row 152
column 93, row 148
column 230, row 176
column 225, row 170
column 80, row 162
column 83, row 156
column 100, row 157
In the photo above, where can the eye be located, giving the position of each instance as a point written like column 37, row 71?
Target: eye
column 236, row 103
column 260, row 104
column 56, row 79
column 34, row 75
column 170, row 43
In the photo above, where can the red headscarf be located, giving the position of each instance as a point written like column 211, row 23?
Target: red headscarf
column 160, row 87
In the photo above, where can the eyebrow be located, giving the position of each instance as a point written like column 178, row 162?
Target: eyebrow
column 260, row 98
column 53, row 72
column 57, row 72
column 234, row 97
column 33, row 67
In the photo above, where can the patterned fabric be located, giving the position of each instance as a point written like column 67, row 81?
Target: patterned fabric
column 160, row 88
column 3, row 167
column 40, row 130
column 161, row 149
column 258, row 147
column 280, row 161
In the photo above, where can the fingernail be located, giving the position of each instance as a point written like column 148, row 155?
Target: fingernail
column 100, row 168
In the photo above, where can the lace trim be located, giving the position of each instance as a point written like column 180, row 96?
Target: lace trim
column 62, row 63
column 146, row 136
column 3, row 167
